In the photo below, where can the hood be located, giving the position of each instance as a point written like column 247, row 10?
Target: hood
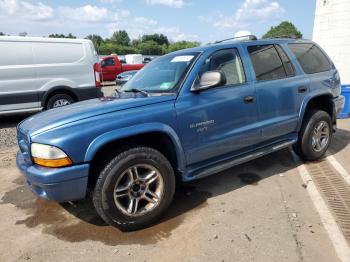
column 60, row 116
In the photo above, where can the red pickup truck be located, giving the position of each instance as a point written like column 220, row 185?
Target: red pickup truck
column 110, row 67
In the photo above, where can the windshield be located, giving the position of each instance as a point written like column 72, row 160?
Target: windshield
column 163, row 74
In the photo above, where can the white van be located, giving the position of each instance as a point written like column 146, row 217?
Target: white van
column 134, row 59
column 43, row 73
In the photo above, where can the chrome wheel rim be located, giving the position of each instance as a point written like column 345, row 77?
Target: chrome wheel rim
column 320, row 137
column 60, row 102
column 138, row 190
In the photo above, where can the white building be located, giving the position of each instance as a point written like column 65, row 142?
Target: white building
column 332, row 33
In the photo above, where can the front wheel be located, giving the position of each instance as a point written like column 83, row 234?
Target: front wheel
column 315, row 136
column 134, row 189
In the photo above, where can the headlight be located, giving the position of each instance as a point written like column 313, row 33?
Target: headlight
column 49, row 156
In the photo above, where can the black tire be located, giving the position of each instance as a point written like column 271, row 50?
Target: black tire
column 51, row 102
column 304, row 147
column 103, row 194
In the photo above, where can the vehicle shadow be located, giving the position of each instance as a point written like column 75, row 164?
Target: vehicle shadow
column 12, row 120
column 340, row 140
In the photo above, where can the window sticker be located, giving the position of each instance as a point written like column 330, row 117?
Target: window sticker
column 182, row 58
column 166, row 85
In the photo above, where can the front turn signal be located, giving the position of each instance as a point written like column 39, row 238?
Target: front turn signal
column 62, row 162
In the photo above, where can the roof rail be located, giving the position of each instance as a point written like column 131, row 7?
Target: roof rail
column 249, row 37
column 286, row 36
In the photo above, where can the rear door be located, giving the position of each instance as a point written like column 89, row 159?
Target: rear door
column 62, row 64
column 278, row 87
column 320, row 70
column 18, row 89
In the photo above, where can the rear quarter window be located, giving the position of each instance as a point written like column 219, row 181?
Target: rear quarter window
column 57, row 53
column 311, row 58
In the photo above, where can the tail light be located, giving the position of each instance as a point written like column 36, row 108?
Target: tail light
column 97, row 75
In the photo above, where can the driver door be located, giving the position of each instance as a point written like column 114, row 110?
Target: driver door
column 220, row 121
column 109, row 69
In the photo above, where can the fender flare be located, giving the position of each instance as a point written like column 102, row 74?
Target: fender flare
column 306, row 101
column 135, row 130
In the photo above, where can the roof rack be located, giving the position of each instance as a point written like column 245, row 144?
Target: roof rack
column 285, row 36
column 249, row 37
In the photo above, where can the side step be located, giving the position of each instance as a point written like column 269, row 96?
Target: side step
column 240, row 160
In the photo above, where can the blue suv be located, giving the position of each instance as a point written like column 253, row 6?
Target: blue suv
column 187, row 115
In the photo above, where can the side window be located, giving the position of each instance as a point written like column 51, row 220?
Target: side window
column 266, row 62
column 108, row 62
column 227, row 61
column 311, row 58
column 288, row 66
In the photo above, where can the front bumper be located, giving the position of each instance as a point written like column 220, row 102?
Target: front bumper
column 56, row 184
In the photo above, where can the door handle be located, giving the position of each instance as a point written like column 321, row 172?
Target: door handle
column 302, row 89
column 249, row 99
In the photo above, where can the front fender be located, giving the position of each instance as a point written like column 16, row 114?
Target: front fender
column 114, row 135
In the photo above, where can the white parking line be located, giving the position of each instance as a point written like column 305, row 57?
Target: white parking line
column 340, row 169
column 337, row 238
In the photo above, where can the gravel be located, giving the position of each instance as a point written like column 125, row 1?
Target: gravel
column 7, row 138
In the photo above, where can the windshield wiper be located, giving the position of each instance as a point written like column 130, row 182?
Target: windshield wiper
column 135, row 90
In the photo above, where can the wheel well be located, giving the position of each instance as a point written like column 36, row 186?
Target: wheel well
column 156, row 140
column 323, row 102
column 60, row 91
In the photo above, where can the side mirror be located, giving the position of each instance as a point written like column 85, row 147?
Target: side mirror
column 209, row 80
column 103, row 63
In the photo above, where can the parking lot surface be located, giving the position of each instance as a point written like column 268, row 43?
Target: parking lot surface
column 263, row 210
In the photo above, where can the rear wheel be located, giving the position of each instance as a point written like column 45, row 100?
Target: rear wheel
column 315, row 136
column 134, row 189
column 59, row 100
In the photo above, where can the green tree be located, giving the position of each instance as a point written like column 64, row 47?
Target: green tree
column 96, row 40
column 181, row 45
column 160, row 39
column 62, row 36
column 120, row 37
column 284, row 29
column 107, row 48
column 1, row 33
column 150, row 48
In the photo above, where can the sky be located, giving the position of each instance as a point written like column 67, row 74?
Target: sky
column 192, row 20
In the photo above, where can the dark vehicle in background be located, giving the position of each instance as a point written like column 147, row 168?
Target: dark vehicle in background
column 124, row 77
column 110, row 67
column 146, row 60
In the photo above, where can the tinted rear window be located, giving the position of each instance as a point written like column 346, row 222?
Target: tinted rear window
column 311, row 58
column 266, row 62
